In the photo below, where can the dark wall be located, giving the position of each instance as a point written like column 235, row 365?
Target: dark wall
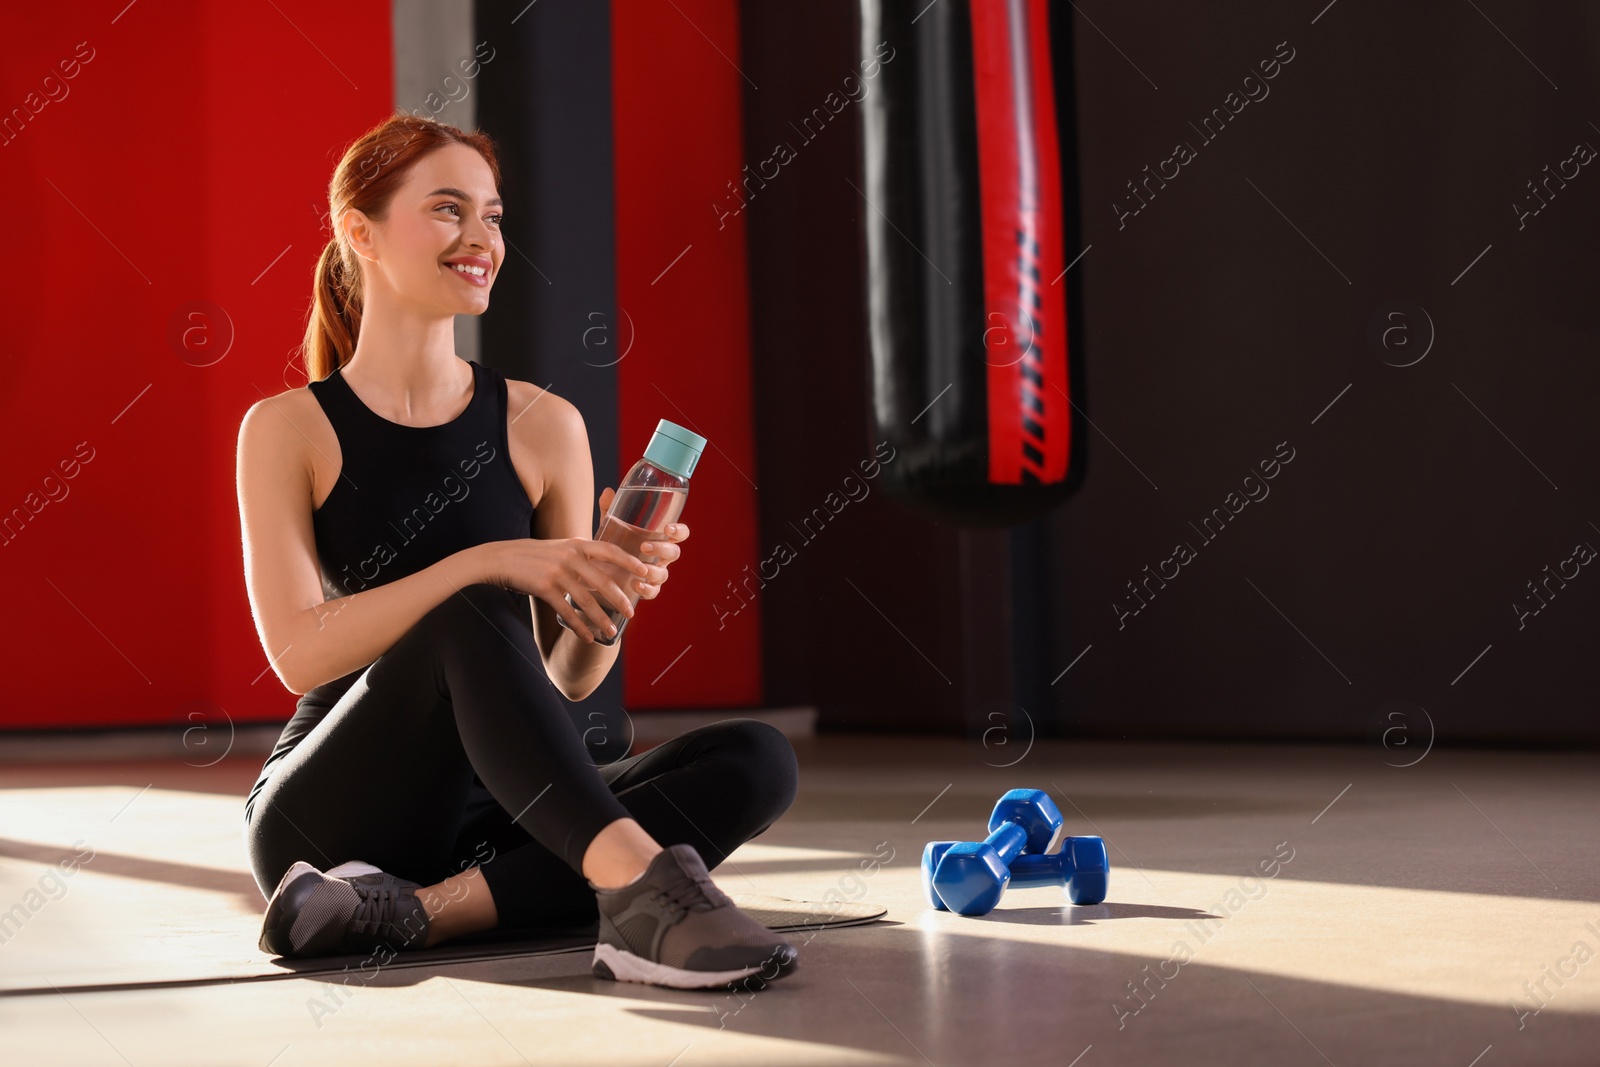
column 882, row 619
column 546, row 101
column 1337, row 285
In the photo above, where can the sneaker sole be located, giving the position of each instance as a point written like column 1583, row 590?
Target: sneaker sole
column 623, row 966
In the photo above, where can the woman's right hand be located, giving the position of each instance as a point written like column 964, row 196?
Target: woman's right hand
column 552, row 569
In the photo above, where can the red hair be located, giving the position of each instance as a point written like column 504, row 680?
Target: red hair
column 371, row 172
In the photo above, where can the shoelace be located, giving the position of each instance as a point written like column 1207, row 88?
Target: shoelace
column 377, row 904
column 691, row 894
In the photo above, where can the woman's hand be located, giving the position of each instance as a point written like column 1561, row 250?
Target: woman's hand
column 660, row 549
column 552, row 569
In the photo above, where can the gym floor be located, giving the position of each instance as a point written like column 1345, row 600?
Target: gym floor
column 1268, row 904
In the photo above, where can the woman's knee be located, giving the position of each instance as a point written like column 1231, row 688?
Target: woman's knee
column 477, row 604
column 763, row 760
column 469, row 614
column 467, row 619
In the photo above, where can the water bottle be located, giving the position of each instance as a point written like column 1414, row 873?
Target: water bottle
column 651, row 496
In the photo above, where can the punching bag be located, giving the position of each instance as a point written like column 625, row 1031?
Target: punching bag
column 971, row 208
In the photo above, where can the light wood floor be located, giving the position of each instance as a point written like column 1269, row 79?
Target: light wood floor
column 1444, row 913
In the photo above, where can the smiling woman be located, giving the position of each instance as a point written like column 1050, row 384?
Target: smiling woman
column 428, row 723
column 366, row 190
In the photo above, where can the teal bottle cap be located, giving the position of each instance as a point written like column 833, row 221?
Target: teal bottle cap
column 675, row 449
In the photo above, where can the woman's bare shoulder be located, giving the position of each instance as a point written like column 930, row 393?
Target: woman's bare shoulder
column 290, row 427
column 531, row 408
column 289, row 409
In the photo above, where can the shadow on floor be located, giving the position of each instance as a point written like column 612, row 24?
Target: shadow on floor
column 1088, row 914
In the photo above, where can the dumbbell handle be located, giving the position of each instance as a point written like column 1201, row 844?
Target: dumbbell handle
column 1034, row 872
column 1007, row 840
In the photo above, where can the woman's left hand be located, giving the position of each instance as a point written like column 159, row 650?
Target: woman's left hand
column 661, row 549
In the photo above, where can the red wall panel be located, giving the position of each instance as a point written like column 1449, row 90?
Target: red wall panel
column 184, row 161
column 681, row 282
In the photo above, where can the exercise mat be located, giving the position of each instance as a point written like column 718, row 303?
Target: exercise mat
column 219, row 954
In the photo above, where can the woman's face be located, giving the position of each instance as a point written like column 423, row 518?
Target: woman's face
column 448, row 211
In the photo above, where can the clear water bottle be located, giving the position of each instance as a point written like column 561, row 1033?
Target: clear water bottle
column 651, row 496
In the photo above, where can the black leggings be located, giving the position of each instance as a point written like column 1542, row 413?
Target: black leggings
column 453, row 749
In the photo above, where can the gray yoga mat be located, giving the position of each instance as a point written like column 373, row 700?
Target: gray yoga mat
column 223, row 956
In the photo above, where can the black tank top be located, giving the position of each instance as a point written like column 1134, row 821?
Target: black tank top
column 406, row 497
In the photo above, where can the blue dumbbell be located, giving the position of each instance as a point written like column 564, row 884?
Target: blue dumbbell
column 969, row 877
column 1081, row 868
column 1042, row 820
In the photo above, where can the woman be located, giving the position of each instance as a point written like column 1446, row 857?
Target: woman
column 413, row 523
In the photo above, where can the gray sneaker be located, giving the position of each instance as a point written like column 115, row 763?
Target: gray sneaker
column 359, row 872
column 352, row 908
column 674, row 927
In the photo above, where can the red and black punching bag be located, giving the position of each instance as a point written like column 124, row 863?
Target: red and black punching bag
column 971, row 190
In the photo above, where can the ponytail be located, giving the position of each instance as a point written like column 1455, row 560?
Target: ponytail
column 335, row 319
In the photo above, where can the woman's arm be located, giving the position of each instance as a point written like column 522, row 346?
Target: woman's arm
column 308, row 640
column 560, row 439
column 597, row 574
